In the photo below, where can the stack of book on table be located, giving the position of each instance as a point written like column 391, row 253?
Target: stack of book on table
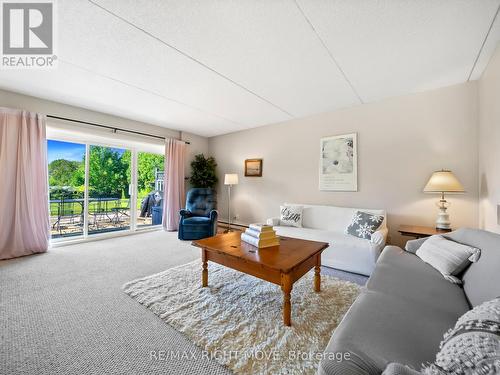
column 260, row 235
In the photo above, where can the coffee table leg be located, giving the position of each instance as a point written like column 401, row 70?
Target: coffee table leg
column 317, row 274
column 286, row 287
column 204, row 272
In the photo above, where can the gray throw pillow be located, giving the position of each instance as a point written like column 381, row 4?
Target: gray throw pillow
column 364, row 224
column 448, row 257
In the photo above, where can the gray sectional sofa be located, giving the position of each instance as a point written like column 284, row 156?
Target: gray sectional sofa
column 407, row 306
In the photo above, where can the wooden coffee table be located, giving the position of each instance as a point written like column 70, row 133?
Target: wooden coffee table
column 282, row 265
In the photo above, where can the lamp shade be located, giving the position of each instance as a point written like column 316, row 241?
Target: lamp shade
column 231, row 179
column 443, row 182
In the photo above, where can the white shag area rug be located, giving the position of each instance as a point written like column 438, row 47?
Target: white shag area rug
column 238, row 320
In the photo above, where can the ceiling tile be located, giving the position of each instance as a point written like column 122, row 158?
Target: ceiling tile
column 94, row 39
column 488, row 49
column 266, row 46
column 394, row 47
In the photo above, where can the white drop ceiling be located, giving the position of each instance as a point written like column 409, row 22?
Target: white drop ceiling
column 214, row 67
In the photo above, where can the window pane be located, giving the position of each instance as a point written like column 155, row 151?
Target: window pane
column 109, row 198
column 66, row 165
column 149, row 188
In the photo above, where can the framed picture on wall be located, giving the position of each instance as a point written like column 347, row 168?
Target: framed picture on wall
column 253, row 167
column 338, row 169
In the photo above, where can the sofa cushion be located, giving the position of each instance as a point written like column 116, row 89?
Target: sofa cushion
column 473, row 345
column 201, row 201
column 196, row 220
column 380, row 328
column 345, row 252
column 400, row 317
column 405, row 276
column 481, row 281
column 448, row 257
column 318, row 235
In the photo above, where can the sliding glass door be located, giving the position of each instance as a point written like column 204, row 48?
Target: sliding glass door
column 149, row 189
column 108, row 191
column 98, row 189
column 66, row 188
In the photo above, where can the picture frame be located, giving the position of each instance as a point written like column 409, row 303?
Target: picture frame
column 338, row 169
column 253, row 168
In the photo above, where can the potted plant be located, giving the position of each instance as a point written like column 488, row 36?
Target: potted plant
column 203, row 172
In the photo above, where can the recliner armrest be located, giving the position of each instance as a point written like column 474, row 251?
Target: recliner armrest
column 273, row 221
column 413, row 245
column 379, row 237
column 213, row 215
column 185, row 213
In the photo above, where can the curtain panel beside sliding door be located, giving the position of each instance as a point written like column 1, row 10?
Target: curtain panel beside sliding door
column 24, row 215
column 174, row 194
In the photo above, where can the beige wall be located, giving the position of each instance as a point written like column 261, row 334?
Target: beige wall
column 400, row 142
column 13, row 100
column 489, row 142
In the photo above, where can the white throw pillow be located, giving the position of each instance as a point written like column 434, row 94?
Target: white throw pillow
column 448, row 257
column 291, row 216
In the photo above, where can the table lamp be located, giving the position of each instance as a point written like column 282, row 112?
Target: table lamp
column 443, row 181
column 230, row 179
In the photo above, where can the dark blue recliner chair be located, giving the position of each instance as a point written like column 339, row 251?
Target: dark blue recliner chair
column 199, row 218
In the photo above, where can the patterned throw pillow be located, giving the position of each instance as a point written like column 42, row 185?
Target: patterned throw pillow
column 473, row 345
column 291, row 216
column 363, row 224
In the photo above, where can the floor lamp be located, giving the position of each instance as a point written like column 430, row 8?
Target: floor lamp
column 230, row 179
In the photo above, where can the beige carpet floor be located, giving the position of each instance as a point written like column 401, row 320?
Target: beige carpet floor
column 64, row 312
column 237, row 319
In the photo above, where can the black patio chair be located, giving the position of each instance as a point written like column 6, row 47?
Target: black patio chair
column 98, row 210
column 121, row 211
column 67, row 215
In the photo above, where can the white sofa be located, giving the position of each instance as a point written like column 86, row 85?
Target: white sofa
column 327, row 224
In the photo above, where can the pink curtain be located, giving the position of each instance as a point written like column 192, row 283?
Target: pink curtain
column 24, row 213
column 175, row 151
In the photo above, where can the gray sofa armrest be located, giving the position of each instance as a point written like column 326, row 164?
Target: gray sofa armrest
column 399, row 369
column 413, row 245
